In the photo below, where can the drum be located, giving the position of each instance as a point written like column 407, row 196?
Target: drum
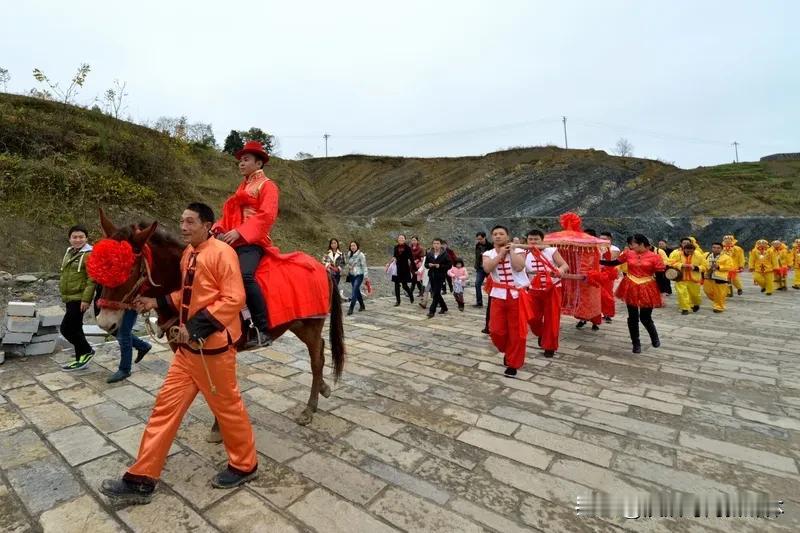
column 673, row 274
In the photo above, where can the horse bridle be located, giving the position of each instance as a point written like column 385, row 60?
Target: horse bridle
column 145, row 276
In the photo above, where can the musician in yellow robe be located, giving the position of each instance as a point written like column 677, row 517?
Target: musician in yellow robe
column 715, row 279
column 692, row 265
column 784, row 258
column 731, row 248
column 762, row 263
column 796, row 263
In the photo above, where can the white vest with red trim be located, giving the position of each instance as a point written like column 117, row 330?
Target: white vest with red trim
column 504, row 274
column 534, row 267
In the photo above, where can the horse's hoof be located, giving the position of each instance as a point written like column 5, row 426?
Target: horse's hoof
column 325, row 390
column 305, row 417
column 214, row 437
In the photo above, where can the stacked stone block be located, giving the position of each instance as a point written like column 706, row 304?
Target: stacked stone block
column 30, row 331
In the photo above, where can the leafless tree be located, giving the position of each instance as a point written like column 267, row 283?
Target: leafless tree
column 114, row 98
column 303, row 155
column 5, row 77
column 624, row 148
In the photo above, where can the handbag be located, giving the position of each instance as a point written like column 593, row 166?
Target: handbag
column 349, row 278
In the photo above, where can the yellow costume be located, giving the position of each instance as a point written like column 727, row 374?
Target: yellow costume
column 762, row 263
column 730, row 248
column 716, row 281
column 688, row 289
column 698, row 249
column 784, row 257
column 796, row 263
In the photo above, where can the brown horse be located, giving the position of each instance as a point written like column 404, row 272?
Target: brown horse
column 162, row 275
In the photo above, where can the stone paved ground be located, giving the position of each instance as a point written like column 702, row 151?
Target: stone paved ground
column 424, row 434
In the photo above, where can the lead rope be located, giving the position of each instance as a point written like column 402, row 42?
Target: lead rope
column 173, row 337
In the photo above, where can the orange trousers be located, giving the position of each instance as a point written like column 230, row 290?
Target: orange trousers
column 185, row 378
column 504, row 330
column 546, row 319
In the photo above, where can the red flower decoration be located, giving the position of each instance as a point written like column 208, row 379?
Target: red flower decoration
column 571, row 222
column 110, row 262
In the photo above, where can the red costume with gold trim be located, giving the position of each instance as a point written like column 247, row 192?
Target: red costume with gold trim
column 639, row 287
column 208, row 305
column 252, row 211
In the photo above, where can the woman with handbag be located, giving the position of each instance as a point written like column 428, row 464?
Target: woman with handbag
column 357, row 267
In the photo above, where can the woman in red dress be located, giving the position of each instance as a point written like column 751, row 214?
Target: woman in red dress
column 639, row 289
column 247, row 218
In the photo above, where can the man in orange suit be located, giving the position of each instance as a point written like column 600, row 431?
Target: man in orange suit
column 207, row 307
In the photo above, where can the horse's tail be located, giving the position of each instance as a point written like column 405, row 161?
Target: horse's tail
column 336, row 331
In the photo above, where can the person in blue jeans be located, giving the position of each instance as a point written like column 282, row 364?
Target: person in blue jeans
column 481, row 245
column 357, row 267
column 127, row 342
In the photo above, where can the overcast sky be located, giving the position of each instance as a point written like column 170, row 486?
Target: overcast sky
column 681, row 80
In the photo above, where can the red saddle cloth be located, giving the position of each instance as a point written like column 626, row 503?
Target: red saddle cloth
column 294, row 286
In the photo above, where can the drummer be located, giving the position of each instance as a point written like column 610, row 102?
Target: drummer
column 691, row 265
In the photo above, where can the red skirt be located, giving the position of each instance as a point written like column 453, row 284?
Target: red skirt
column 639, row 294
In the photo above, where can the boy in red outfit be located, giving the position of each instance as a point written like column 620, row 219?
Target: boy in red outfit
column 545, row 266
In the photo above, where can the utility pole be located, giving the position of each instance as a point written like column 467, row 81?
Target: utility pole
column 326, row 143
column 736, row 147
column 564, row 120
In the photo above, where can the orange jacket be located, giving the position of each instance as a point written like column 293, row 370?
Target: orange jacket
column 251, row 211
column 211, row 299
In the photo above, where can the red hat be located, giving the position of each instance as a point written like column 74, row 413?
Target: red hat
column 255, row 148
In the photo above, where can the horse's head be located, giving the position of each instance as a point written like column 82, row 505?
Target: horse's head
column 120, row 263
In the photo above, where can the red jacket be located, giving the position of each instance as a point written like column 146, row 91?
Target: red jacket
column 251, row 211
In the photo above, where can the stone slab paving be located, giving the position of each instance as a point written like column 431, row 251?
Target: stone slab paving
column 423, row 433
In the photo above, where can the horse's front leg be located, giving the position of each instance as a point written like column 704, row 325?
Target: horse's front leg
column 214, row 435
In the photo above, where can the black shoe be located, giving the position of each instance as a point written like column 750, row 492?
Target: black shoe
column 595, row 327
column 461, row 308
column 485, row 331
column 119, row 375
column 349, row 312
column 411, row 297
column 580, row 324
column 637, row 348
column 510, row 372
column 695, row 308
column 362, row 308
column 397, row 304
column 443, row 312
column 549, row 353
column 684, row 312
column 430, row 315
column 481, row 305
column 539, row 341
column 228, row 479
column 739, row 291
column 655, row 342
column 717, row 310
column 141, row 353
column 763, row 290
column 607, row 319
column 125, row 492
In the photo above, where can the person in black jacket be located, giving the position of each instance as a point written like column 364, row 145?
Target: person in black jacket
column 481, row 245
column 404, row 260
column 437, row 263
